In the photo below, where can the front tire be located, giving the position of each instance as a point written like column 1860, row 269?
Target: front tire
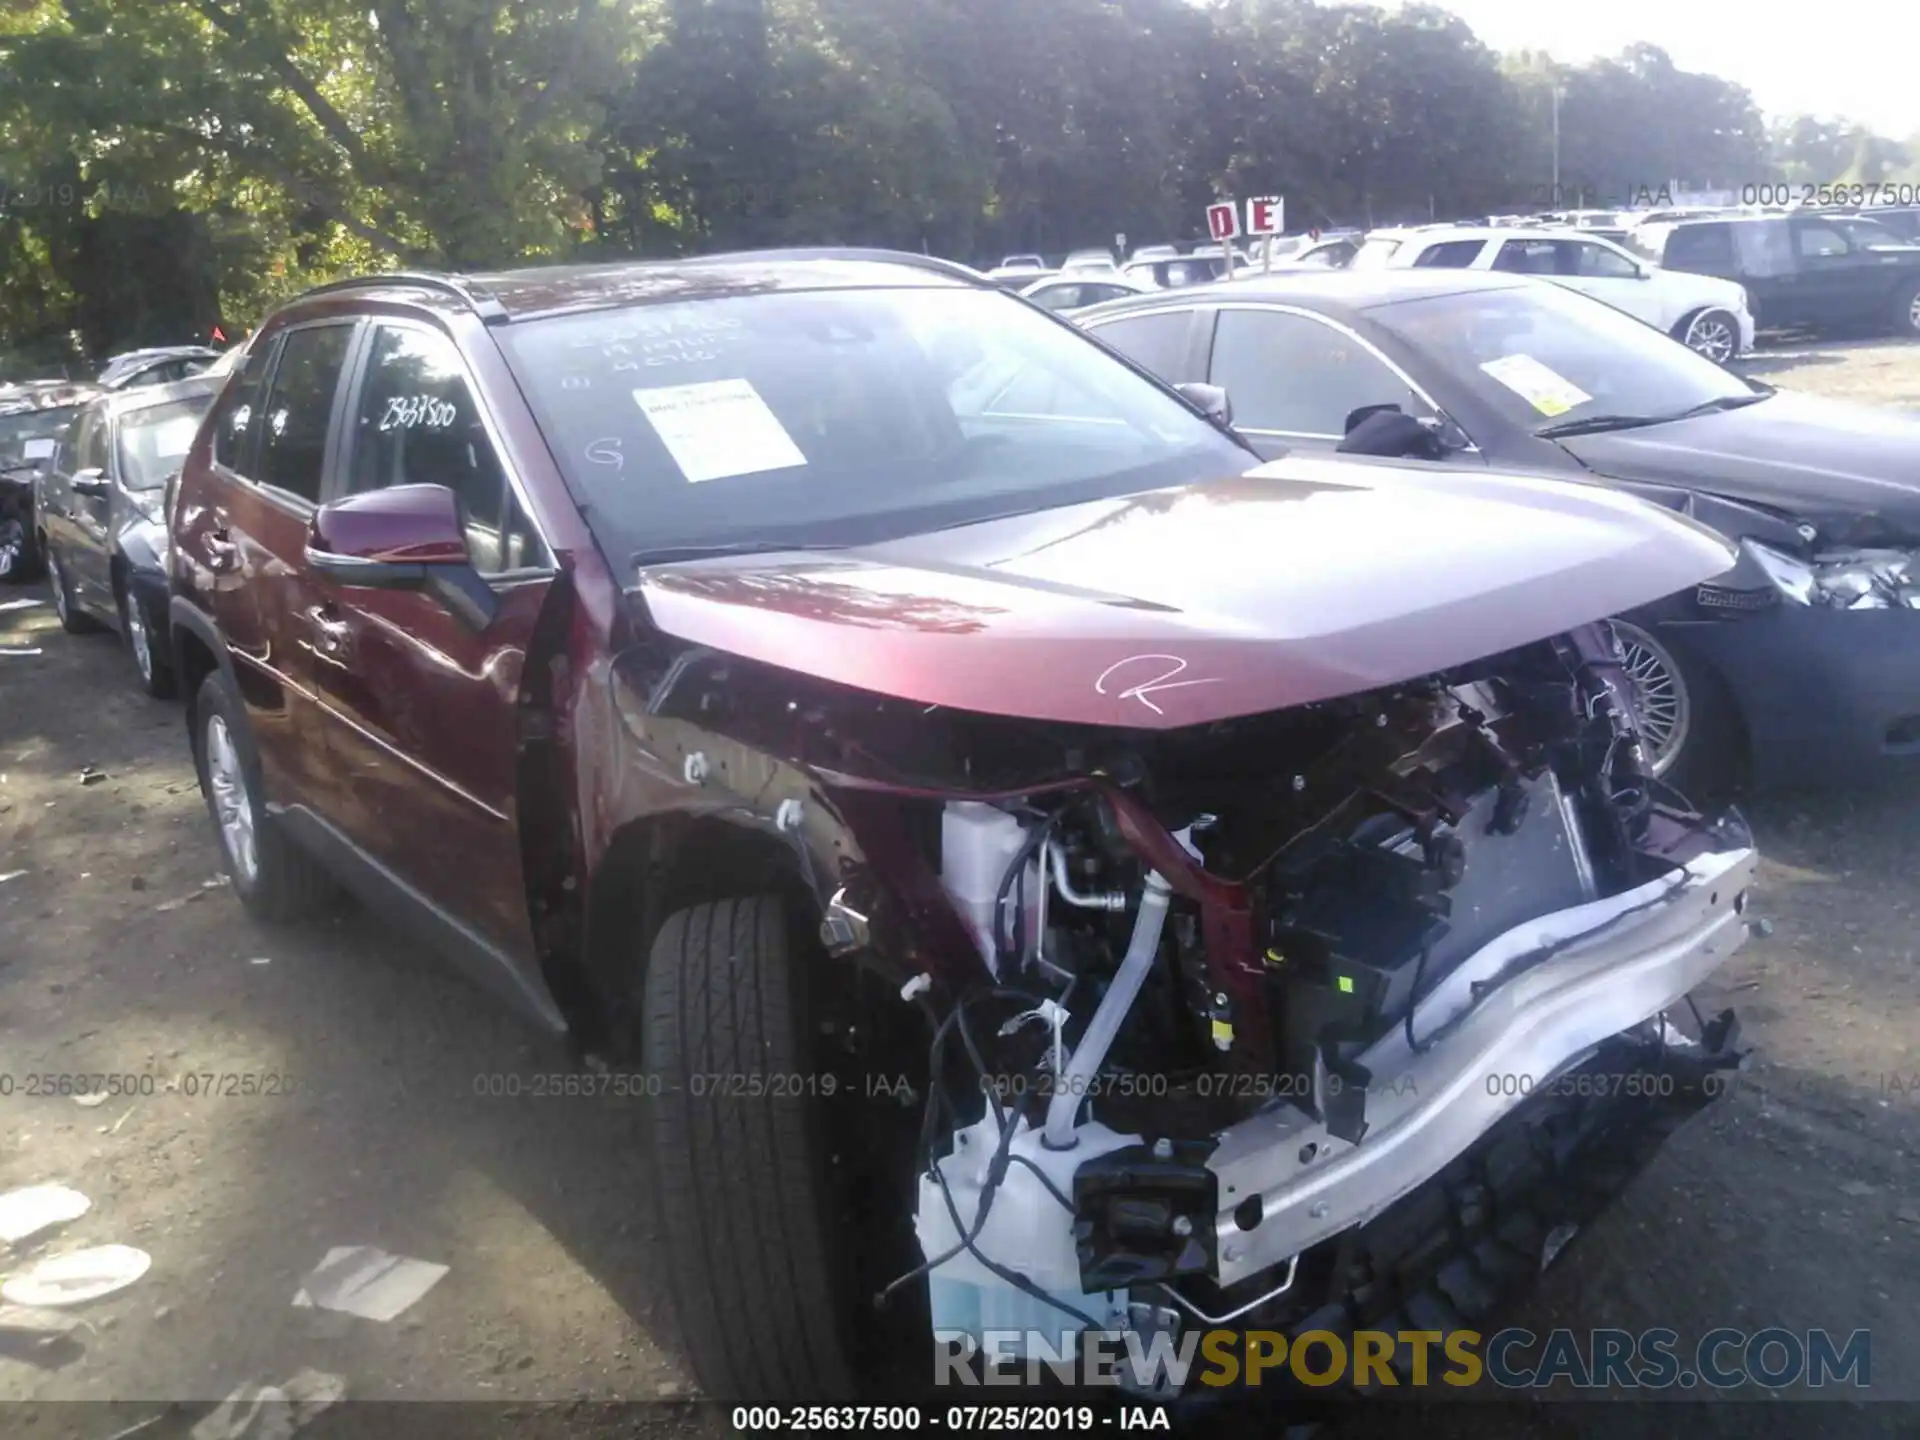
column 1906, row 313
column 275, row 879
column 1712, row 333
column 149, row 661
column 16, row 551
column 1687, row 721
column 743, row 1193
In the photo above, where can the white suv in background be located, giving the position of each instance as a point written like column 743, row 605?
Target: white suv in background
column 1705, row 314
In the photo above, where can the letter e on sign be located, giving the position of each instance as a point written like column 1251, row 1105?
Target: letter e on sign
column 1223, row 220
column 1266, row 215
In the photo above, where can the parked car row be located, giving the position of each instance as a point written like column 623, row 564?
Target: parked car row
column 35, row 417
column 1705, row 314
column 1801, row 664
column 830, row 665
column 1711, row 278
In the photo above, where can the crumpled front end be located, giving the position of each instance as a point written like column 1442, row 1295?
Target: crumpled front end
column 1239, row 993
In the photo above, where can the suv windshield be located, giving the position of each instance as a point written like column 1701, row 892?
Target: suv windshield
column 843, row 416
column 154, row 441
column 28, row 438
column 1537, row 354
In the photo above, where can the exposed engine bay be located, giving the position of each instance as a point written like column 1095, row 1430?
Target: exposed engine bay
column 1243, row 987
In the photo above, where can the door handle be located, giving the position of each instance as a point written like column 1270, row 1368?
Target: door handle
column 333, row 636
column 222, row 553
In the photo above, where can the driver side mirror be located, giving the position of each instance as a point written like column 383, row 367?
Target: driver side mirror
column 1212, row 400
column 406, row 537
column 1389, row 431
column 91, row 482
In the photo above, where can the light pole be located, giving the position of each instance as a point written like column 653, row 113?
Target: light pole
column 1556, row 144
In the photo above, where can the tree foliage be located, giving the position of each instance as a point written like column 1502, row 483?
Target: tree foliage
column 171, row 163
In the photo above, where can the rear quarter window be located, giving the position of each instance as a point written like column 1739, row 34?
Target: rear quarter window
column 236, row 415
column 1451, row 255
column 1158, row 342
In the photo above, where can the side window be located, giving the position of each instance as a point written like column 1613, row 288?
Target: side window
column 293, row 436
column 1815, row 241
column 90, row 453
column 236, row 418
column 1599, row 263
column 1451, row 254
column 415, row 423
column 1297, row 375
column 1157, row 342
column 1061, row 297
column 1527, row 257
column 1705, row 247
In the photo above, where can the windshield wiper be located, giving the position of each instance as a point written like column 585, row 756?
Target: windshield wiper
column 668, row 554
column 1594, row 424
column 1722, row 402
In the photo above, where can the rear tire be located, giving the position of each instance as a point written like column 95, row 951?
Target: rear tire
column 275, row 879
column 72, row 619
column 743, row 1193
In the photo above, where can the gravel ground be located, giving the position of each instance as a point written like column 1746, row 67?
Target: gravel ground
column 1792, row 1202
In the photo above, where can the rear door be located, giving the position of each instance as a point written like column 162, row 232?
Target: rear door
column 419, row 704
column 273, row 442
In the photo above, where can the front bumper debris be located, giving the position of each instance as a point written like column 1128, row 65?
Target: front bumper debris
column 1576, row 979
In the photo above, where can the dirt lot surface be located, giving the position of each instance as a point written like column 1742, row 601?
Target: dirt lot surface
column 1793, row 1202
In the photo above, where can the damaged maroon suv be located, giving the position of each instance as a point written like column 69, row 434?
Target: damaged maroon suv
column 1049, row 874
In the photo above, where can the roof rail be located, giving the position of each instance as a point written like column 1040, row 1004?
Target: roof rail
column 934, row 263
column 480, row 301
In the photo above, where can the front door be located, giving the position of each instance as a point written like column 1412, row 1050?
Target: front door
column 1607, row 275
column 419, row 703
column 1294, row 379
column 1839, row 280
column 77, row 523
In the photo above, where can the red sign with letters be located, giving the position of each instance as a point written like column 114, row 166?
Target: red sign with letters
column 1266, row 215
column 1223, row 220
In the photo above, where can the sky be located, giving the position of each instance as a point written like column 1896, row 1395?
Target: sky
column 1857, row 58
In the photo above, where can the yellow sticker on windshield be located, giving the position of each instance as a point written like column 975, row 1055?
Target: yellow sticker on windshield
column 1542, row 387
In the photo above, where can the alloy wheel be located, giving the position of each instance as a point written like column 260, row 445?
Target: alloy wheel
column 139, row 638
column 58, row 580
column 232, row 805
column 1712, row 336
column 1660, row 699
column 1913, row 313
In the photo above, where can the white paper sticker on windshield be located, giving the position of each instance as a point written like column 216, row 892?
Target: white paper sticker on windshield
column 718, row 428
column 37, row 449
column 1548, row 391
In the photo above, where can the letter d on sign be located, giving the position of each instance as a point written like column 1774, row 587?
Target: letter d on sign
column 1223, row 220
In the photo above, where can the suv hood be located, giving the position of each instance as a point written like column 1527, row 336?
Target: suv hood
column 1823, row 461
column 1300, row 581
